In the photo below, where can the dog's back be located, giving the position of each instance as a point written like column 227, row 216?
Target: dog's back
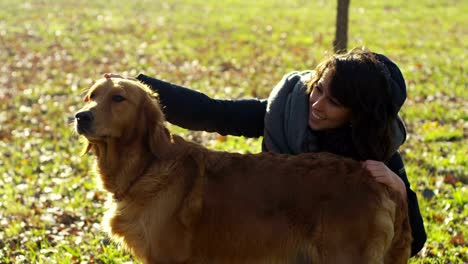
column 276, row 208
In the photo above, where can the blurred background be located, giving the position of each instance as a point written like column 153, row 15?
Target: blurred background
column 51, row 51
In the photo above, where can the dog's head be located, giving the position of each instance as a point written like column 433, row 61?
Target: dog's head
column 121, row 110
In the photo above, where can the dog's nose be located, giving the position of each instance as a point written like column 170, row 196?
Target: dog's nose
column 84, row 117
column 83, row 122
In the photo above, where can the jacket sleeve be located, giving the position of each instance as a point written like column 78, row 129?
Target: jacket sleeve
column 417, row 225
column 196, row 111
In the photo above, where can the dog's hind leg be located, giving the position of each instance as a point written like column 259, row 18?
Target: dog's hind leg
column 400, row 249
column 381, row 233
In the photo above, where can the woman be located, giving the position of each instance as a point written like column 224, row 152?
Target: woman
column 348, row 106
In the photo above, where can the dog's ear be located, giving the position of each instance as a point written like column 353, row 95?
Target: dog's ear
column 159, row 141
column 158, row 137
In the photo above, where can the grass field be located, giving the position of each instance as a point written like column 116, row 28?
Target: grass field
column 50, row 206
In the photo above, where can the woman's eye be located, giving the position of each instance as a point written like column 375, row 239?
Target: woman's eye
column 118, row 98
column 334, row 102
column 319, row 89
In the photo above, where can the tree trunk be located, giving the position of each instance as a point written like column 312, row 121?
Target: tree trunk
column 341, row 34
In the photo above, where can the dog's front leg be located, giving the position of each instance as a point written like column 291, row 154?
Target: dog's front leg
column 170, row 242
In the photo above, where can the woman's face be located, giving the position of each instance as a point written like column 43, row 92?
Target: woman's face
column 325, row 112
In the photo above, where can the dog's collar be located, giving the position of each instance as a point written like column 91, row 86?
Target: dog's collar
column 120, row 196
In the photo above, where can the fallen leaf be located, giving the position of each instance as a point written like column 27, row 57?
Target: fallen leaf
column 458, row 240
column 451, row 179
column 438, row 218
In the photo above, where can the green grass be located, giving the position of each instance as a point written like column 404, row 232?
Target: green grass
column 50, row 205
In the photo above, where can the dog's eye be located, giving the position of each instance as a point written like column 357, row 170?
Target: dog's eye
column 118, row 98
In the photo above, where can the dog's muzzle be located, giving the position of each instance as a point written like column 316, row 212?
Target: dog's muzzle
column 84, row 120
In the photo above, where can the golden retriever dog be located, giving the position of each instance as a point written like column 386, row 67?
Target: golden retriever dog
column 175, row 201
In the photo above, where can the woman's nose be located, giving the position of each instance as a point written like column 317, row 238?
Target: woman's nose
column 319, row 103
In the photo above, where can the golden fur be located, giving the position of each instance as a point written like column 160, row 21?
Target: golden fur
column 178, row 202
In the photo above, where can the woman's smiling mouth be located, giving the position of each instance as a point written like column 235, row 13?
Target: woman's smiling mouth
column 317, row 116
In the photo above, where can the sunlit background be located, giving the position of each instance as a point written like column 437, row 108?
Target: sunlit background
column 51, row 50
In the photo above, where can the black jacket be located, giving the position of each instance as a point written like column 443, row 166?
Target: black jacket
column 245, row 117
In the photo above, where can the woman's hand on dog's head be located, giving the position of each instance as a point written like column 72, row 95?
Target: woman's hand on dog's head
column 109, row 75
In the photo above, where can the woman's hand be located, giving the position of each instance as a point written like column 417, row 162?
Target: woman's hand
column 108, row 75
column 383, row 174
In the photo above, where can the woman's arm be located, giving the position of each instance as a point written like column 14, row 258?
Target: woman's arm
column 196, row 111
column 395, row 177
column 417, row 224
